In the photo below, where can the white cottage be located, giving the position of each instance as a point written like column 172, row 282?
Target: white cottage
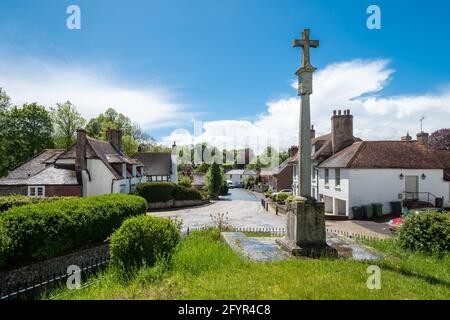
column 356, row 173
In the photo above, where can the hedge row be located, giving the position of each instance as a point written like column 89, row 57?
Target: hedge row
column 42, row 230
column 165, row 191
column 19, row 200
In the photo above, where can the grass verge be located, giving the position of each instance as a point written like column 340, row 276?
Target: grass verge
column 204, row 267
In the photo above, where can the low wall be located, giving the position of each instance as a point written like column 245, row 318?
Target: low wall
column 176, row 204
column 48, row 269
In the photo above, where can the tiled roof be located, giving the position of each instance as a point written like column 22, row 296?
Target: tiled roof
column 54, row 176
column 241, row 172
column 388, row 154
column 155, row 164
column 35, row 164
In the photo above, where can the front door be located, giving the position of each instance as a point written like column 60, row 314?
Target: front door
column 412, row 187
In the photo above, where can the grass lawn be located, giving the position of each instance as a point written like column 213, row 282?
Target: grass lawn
column 204, row 267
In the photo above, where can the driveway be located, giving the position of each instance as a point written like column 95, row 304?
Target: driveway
column 242, row 207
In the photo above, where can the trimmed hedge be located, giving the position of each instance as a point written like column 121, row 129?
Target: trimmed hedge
column 165, row 191
column 143, row 240
column 20, row 200
column 42, row 230
column 184, row 193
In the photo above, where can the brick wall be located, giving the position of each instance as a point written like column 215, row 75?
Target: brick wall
column 58, row 191
column 284, row 179
column 9, row 190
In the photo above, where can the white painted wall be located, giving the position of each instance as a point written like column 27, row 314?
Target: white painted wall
column 384, row 185
column 101, row 178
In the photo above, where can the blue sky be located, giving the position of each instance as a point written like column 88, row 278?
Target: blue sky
column 228, row 60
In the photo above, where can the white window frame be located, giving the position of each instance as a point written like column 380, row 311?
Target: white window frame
column 337, row 177
column 35, row 191
column 327, row 176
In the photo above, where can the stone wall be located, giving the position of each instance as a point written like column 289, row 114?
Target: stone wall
column 176, row 204
column 36, row 272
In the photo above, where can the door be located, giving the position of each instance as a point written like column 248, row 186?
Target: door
column 412, row 187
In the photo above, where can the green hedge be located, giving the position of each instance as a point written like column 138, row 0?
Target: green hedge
column 165, row 191
column 142, row 241
column 19, row 200
column 42, row 230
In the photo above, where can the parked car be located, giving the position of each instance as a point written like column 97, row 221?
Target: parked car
column 396, row 223
column 230, row 184
column 288, row 191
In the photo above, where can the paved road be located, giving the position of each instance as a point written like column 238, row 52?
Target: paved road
column 244, row 210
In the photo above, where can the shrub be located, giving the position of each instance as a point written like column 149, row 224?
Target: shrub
column 427, row 232
column 165, row 191
column 42, row 230
column 268, row 193
column 281, row 197
column 143, row 240
column 289, row 199
column 224, row 188
column 214, row 179
column 185, row 181
column 156, row 191
column 20, row 200
column 184, row 193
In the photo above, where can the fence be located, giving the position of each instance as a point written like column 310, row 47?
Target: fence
column 31, row 288
column 355, row 236
column 276, row 232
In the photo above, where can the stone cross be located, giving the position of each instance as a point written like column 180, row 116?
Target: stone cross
column 305, row 90
column 306, row 43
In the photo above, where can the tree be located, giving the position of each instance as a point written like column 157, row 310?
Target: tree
column 24, row 132
column 440, row 139
column 66, row 120
column 5, row 101
column 97, row 127
column 129, row 145
column 214, row 180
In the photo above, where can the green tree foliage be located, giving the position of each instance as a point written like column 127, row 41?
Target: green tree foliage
column 129, row 145
column 66, row 120
column 214, row 179
column 23, row 133
column 185, row 181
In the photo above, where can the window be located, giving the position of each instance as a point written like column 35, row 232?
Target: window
column 313, row 172
column 123, row 188
column 327, row 176
column 337, row 172
column 133, row 187
column 231, row 176
column 241, row 176
column 36, row 191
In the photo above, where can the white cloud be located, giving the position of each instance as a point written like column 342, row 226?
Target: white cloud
column 348, row 85
column 92, row 88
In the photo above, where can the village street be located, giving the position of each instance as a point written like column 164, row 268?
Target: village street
column 244, row 210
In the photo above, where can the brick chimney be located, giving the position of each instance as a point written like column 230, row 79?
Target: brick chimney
column 313, row 132
column 292, row 151
column 407, row 137
column 114, row 136
column 80, row 154
column 341, row 130
column 422, row 137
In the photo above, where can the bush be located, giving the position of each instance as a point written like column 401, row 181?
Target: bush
column 214, row 179
column 281, row 197
column 42, row 230
column 156, row 191
column 427, row 232
column 268, row 193
column 143, row 240
column 185, row 181
column 165, row 191
column 289, row 199
column 184, row 193
column 224, row 188
column 20, row 200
